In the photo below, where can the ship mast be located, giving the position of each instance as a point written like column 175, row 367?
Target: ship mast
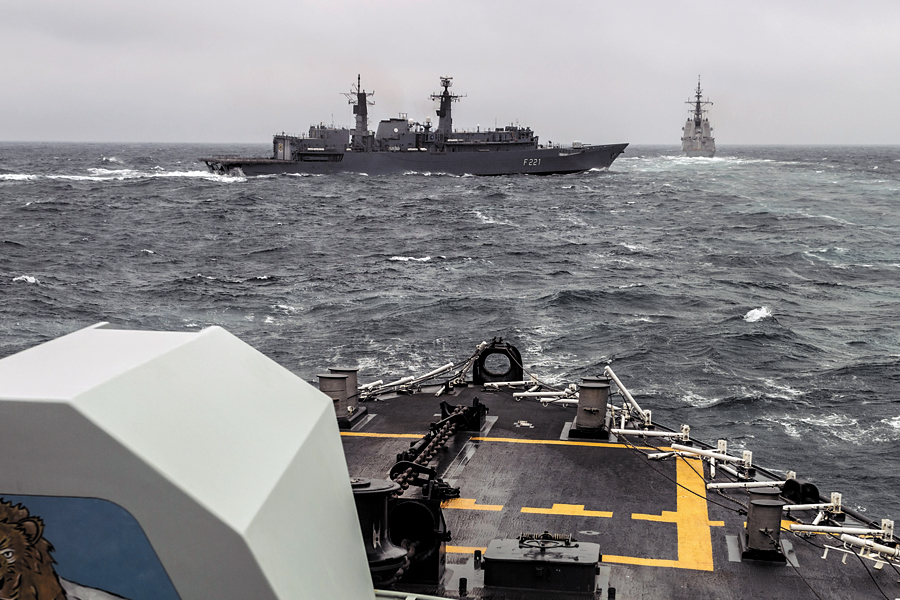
column 698, row 103
column 445, row 125
column 358, row 97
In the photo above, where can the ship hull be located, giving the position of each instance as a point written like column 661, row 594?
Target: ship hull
column 540, row 161
column 700, row 153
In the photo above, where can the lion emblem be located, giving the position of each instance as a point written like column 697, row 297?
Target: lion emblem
column 26, row 566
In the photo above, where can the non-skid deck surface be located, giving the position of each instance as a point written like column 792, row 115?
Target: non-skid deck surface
column 660, row 539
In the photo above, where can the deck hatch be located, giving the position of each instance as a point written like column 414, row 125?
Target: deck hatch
column 561, row 568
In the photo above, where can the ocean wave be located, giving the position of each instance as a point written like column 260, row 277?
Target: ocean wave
column 698, row 400
column 284, row 308
column 758, row 314
column 26, row 279
column 836, row 429
column 103, row 175
column 491, row 220
column 409, row 259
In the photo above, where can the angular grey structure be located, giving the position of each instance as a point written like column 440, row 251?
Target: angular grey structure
column 231, row 464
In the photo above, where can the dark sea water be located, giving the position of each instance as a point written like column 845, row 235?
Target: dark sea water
column 753, row 296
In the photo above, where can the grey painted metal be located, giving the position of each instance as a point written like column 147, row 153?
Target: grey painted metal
column 764, row 524
column 402, row 145
column 335, row 386
column 697, row 134
column 212, row 447
column 351, row 401
column 763, row 493
column 592, row 399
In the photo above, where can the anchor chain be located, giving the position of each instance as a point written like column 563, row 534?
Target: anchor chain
column 436, row 439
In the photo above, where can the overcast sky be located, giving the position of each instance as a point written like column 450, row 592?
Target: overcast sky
column 778, row 72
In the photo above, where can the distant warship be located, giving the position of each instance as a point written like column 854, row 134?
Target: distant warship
column 698, row 139
column 402, row 145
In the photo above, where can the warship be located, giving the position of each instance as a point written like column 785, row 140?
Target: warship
column 402, row 145
column 187, row 466
column 697, row 138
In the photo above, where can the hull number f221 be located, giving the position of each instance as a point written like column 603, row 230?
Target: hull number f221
column 531, row 162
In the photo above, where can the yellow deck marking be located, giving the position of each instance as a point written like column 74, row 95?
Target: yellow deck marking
column 692, row 519
column 493, row 439
column 381, row 435
column 465, row 549
column 469, row 504
column 557, row 443
column 691, row 516
column 574, row 510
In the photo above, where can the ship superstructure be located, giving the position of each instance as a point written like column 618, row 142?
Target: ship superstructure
column 401, row 144
column 697, row 138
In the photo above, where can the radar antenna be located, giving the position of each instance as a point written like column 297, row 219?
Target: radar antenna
column 359, row 99
column 697, row 104
column 445, row 125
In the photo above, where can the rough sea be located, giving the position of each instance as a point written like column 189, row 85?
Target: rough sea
column 754, row 296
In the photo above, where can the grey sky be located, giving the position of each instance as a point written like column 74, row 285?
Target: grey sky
column 779, row 72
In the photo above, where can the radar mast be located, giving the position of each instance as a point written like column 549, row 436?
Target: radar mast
column 698, row 104
column 358, row 97
column 445, row 125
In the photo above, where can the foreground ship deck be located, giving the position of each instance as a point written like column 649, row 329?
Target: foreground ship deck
column 661, row 533
column 188, row 466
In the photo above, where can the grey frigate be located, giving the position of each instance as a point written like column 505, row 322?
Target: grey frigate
column 698, row 139
column 402, row 145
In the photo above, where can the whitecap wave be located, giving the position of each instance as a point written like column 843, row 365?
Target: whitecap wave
column 698, row 400
column 490, row 220
column 17, row 177
column 410, row 258
column 285, row 308
column 26, row 279
column 758, row 314
column 101, row 175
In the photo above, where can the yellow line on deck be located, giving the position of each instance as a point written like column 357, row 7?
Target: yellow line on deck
column 645, row 562
column 573, row 510
column 465, row 549
column 469, row 504
column 692, row 519
column 381, row 435
column 557, row 443
column 496, row 439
